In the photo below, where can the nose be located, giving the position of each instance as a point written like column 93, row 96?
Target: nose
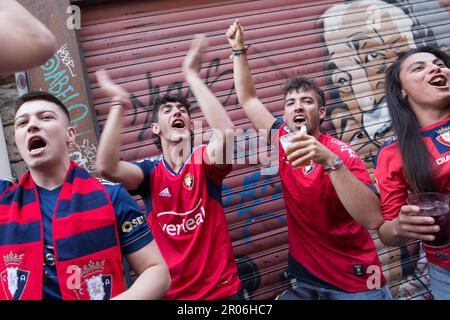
column 433, row 68
column 298, row 106
column 33, row 125
column 177, row 112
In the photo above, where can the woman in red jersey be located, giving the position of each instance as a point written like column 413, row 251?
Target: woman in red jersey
column 417, row 158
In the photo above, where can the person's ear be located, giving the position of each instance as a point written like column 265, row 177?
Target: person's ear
column 70, row 136
column 155, row 129
column 404, row 95
column 322, row 113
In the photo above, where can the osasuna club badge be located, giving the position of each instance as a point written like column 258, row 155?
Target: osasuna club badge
column 94, row 284
column 308, row 169
column 444, row 136
column 13, row 279
column 188, row 181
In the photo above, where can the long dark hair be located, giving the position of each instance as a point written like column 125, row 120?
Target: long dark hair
column 415, row 156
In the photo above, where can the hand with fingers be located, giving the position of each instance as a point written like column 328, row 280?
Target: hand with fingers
column 304, row 148
column 235, row 36
column 192, row 61
column 410, row 225
column 114, row 91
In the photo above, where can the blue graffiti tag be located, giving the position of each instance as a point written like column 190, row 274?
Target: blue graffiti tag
column 249, row 198
column 57, row 79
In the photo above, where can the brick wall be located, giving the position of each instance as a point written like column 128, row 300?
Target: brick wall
column 7, row 95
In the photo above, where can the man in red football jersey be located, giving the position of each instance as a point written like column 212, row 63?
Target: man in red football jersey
column 181, row 188
column 327, row 190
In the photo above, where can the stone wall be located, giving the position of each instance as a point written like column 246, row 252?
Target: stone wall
column 8, row 93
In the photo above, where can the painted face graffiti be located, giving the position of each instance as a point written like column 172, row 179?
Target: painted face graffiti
column 361, row 47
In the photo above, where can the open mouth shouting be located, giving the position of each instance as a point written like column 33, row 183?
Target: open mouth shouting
column 299, row 120
column 439, row 81
column 36, row 145
column 178, row 124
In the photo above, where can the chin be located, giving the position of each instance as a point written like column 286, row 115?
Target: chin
column 41, row 163
column 181, row 136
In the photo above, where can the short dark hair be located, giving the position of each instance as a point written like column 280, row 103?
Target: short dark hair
column 41, row 95
column 160, row 101
column 302, row 83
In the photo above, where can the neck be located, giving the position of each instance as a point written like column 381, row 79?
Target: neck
column 176, row 153
column 429, row 116
column 316, row 133
column 50, row 176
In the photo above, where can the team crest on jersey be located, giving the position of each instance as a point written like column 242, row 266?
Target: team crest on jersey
column 96, row 285
column 441, row 139
column 188, row 181
column 13, row 279
column 309, row 168
column 444, row 136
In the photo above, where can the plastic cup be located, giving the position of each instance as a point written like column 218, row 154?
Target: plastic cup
column 434, row 205
column 284, row 140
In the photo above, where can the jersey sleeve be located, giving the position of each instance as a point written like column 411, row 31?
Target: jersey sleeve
column 147, row 166
column 4, row 184
column 134, row 232
column 353, row 163
column 274, row 132
column 391, row 183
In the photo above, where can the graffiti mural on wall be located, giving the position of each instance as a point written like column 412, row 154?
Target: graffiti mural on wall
column 58, row 74
column 84, row 154
column 363, row 38
column 361, row 47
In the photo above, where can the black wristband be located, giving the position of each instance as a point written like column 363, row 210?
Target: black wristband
column 235, row 53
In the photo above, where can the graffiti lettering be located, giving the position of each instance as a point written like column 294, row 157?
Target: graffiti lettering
column 66, row 59
column 249, row 198
column 58, row 85
column 85, row 155
column 176, row 87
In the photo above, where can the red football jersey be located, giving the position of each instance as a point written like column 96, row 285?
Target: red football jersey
column 323, row 237
column 392, row 182
column 188, row 223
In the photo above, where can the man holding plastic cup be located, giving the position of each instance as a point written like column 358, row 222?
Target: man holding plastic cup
column 329, row 197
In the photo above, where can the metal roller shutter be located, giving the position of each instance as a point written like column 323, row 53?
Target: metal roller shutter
column 142, row 44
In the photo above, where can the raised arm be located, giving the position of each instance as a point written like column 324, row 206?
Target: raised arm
column 214, row 112
column 108, row 163
column 260, row 117
column 26, row 42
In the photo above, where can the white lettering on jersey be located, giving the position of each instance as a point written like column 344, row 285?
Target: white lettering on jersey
column 190, row 221
column 442, row 160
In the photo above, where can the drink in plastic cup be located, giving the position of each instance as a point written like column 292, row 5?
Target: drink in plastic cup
column 284, row 140
column 434, row 205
